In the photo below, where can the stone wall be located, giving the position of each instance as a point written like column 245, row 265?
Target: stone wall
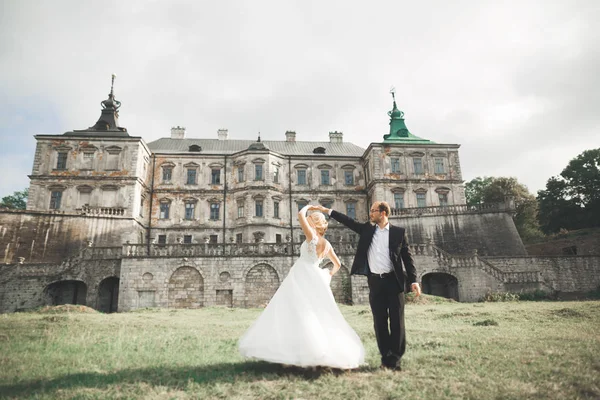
column 491, row 233
column 52, row 237
column 26, row 286
column 584, row 242
column 576, row 274
column 246, row 276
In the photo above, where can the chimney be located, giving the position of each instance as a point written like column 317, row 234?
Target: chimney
column 290, row 136
column 222, row 134
column 177, row 132
column 336, row 137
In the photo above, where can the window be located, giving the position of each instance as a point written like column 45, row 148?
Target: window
column 85, row 193
column 351, row 210
column 258, row 172
column 418, row 164
column 61, row 161
column 277, row 238
column 259, row 208
column 443, row 199
column 112, row 160
column 141, row 207
column 214, row 211
column 189, row 211
column 276, row 209
column 324, row 177
column 214, row 239
column 302, row 204
column 109, row 196
column 327, row 203
column 439, row 165
column 191, row 176
column 275, row 174
column 55, row 198
column 187, row 239
column 240, row 209
column 215, row 176
column 164, row 210
column 88, row 160
column 241, row 177
column 395, row 165
column 162, row 239
column 399, row 200
column 301, row 177
column 167, row 174
column 421, row 200
column 238, row 238
column 349, row 177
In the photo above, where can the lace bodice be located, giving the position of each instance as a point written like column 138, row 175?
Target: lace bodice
column 309, row 249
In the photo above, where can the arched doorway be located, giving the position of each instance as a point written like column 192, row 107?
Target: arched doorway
column 108, row 295
column 65, row 292
column 186, row 288
column 341, row 285
column 440, row 284
column 262, row 282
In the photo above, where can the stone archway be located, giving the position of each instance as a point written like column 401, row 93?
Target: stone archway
column 262, row 282
column 65, row 292
column 440, row 284
column 186, row 288
column 108, row 295
column 341, row 286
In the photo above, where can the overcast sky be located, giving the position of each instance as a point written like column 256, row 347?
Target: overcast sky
column 515, row 83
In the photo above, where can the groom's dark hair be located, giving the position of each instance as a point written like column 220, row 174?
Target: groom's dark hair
column 384, row 206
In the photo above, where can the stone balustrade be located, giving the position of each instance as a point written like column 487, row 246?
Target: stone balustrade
column 133, row 250
column 101, row 211
column 449, row 209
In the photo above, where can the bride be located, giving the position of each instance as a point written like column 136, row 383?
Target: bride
column 302, row 324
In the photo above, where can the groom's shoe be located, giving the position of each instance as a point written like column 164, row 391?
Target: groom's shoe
column 390, row 367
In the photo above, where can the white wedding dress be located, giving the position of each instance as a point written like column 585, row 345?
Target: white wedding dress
column 302, row 324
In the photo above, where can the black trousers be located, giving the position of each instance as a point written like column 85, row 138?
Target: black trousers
column 387, row 305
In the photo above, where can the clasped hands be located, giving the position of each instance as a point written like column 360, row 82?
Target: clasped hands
column 318, row 208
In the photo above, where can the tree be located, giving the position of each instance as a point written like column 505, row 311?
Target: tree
column 572, row 200
column 490, row 190
column 474, row 189
column 15, row 201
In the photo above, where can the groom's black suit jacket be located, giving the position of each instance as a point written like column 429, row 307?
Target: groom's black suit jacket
column 398, row 250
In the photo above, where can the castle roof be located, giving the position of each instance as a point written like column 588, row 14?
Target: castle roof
column 230, row 146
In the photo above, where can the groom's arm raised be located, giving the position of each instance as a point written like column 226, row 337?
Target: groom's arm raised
column 344, row 219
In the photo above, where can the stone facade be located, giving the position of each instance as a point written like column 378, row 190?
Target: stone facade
column 118, row 224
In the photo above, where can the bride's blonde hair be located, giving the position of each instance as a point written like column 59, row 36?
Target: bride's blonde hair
column 318, row 221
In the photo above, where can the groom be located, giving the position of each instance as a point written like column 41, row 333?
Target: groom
column 382, row 250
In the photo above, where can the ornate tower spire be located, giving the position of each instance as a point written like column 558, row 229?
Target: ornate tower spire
column 398, row 130
column 108, row 123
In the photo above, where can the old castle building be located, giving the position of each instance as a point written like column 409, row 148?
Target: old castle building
column 117, row 223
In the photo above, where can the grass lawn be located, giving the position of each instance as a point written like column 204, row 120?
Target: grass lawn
column 516, row 350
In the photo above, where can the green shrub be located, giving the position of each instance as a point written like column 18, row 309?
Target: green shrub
column 536, row 295
column 494, row 297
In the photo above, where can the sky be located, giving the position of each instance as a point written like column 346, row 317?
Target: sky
column 515, row 83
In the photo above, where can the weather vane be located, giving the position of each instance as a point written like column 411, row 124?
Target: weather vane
column 393, row 92
column 112, row 84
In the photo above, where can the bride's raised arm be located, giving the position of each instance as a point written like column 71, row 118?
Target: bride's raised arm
column 308, row 230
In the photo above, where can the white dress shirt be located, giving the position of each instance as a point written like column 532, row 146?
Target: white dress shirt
column 379, row 254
